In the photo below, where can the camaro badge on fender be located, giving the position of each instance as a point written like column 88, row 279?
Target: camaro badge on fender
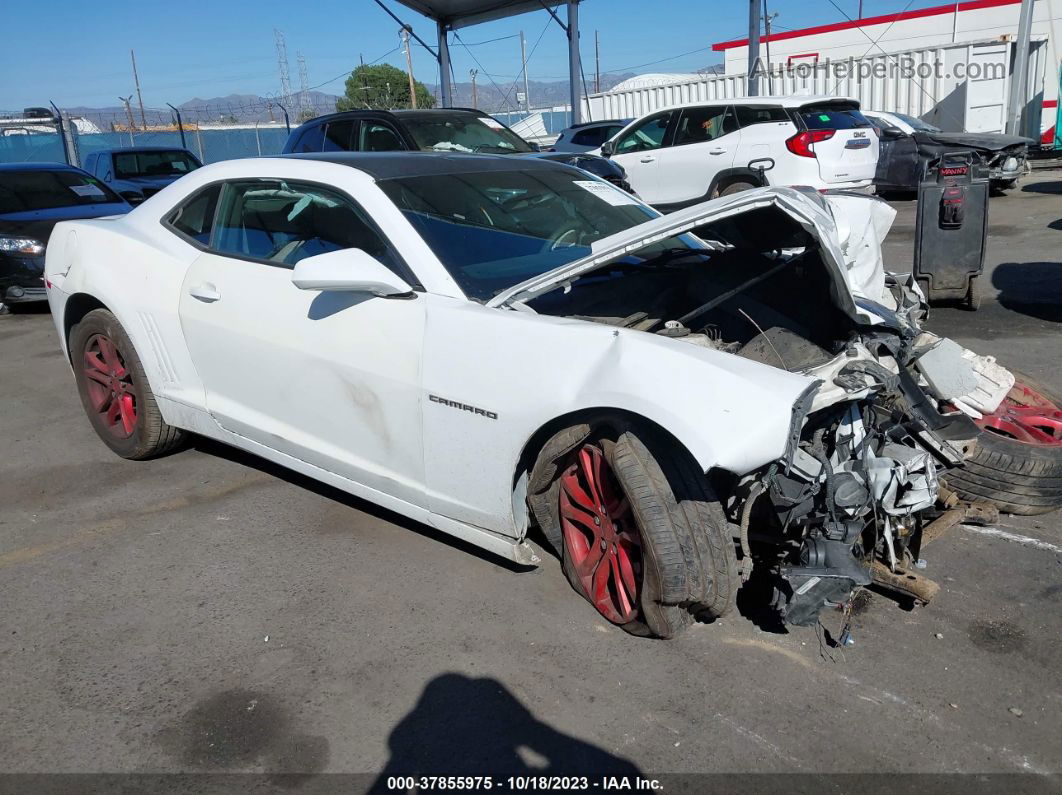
column 456, row 404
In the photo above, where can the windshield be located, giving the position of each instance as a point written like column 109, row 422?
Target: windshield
column 918, row 124
column 153, row 164
column 495, row 229
column 24, row 191
column 462, row 132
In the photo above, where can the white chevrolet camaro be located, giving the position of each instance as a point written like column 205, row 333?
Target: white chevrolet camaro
column 680, row 403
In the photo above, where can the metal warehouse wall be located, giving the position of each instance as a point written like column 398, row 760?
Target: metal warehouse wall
column 953, row 104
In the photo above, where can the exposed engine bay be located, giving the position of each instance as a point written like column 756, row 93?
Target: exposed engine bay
column 888, row 406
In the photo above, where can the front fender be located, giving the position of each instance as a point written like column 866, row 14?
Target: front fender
column 494, row 377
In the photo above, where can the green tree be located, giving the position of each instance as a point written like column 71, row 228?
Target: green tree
column 382, row 86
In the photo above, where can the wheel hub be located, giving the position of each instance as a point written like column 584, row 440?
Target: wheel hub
column 601, row 536
column 110, row 386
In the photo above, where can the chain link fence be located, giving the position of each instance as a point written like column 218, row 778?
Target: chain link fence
column 212, row 132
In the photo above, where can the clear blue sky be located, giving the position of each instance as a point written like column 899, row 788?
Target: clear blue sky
column 76, row 53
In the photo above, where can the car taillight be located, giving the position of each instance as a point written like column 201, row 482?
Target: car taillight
column 800, row 144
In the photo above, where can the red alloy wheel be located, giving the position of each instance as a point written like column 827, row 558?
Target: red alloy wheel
column 601, row 536
column 1026, row 416
column 110, row 386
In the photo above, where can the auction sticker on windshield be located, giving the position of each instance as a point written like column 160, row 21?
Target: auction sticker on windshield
column 492, row 123
column 86, row 190
column 603, row 190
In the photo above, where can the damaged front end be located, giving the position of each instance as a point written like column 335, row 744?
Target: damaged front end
column 795, row 281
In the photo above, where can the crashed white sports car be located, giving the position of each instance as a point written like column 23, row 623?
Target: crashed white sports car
column 680, row 403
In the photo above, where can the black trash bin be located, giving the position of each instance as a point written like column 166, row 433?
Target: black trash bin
column 951, row 228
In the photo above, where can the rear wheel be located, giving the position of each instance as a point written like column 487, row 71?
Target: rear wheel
column 640, row 534
column 115, row 391
column 735, row 187
column 1017, row 464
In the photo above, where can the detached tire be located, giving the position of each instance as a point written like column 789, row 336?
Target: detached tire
column 640, row 534
column 1017, row 464
column 114, row 389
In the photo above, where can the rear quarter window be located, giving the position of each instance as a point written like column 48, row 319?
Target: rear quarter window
column 832, row 117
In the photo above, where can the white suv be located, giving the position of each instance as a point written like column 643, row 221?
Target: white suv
column 688, row 153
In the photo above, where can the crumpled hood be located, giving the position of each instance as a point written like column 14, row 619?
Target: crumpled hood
column 992, row 142
column 810, row 211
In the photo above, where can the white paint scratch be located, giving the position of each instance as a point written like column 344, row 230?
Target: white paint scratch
column 1013, row 537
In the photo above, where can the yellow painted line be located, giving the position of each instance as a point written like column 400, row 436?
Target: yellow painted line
column 109, row 526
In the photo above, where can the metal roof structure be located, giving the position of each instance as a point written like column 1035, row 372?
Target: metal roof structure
column 452, row 14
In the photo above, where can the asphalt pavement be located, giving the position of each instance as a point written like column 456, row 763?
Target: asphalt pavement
column 210, row 612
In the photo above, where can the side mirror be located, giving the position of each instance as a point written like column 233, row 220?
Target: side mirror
column 607, row 149
column 132, row 196
column 348, row 270
column 892, row 133
column 534, row 146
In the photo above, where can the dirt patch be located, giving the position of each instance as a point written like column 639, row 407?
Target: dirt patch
column 999, row 637
column 244, row 730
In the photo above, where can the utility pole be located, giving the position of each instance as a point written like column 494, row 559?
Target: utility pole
column 409, row 68
column 523, row 62
column 128, row 112
column 139, row 99
column 575, row 66
column 597, row 62
column 472, row 73
column 767, row 18
column 1019, row 80
column 752, row 78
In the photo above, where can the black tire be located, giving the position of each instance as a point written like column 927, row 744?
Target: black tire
column 1017, row 477
column 735, row 187
column 689, row 567
column 147, row 435
column 972, row 301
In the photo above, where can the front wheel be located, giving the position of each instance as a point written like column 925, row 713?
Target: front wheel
column 1017, row 464
column 641, row 536
column 114, row 389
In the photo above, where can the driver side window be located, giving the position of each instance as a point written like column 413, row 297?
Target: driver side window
column 279, row 223
column 647, row 135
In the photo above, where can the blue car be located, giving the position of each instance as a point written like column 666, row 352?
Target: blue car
column 141, row 171
column 34, row 197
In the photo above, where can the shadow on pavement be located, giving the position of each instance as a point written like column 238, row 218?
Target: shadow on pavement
column 1030, row 288
column 1042, row 187
column 210, row 447
column 472, row 727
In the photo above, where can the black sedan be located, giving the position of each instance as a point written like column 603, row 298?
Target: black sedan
column 34, row 197
column 434, row 130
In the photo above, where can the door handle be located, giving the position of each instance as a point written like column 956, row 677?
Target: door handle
column 721, row 150
column 648, row 159
column 206, row 292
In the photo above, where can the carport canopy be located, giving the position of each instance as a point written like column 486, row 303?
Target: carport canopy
column 451, row 14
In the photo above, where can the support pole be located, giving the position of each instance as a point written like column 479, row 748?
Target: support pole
column 139, row 98
column 1019, row 79
column 575, row 70
column 445, row 96
column 409, row 69
column 753, row 87
column 180, row 126
column 523, row 68
column 597, row 62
